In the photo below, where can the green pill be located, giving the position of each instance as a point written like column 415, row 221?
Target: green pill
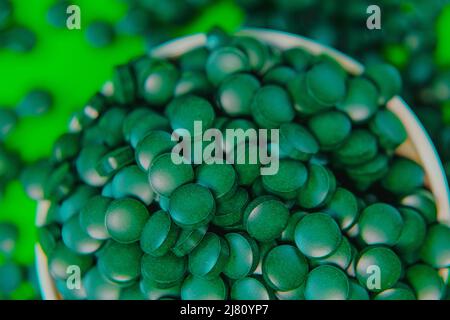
column 192, row 82
column 185, row 111
column 221, row 179
column 100, row 34
column 191, row 206
column 378, row 268
column 403, row 176
column 425, row 282
column 288, row 234
column 317, row 235
column 59, row 183
column 132, row 293
column 236, row 93
column 68, row 294
column 343, row 207
column 165, row 271
column 194, row 60
column 35, row 103
column 231, row 210
column 152, row 291
column 196, row 288
column 380, row 223
column 8, row 120
column 263, row 110
column 386, row 78
column 326, row 83
column 341, row 258
column 86, row 165
column 120, row 263
column 436, row 249
column 11, row 277
column 297, row 142
column 244, row 255
column 159, row 235
column 422, row 200
column 9, row 235
column 304, row 104
column 225, row 61
column 157, row 83
column 115, row 160
column 18, row 39
column 295, row 294
column 209, row 257
column 133, row 119
column 57, row 14
column 331, row 128
column 298, row 59
column 413, row 231
column 149, row 122
column 76, row 239
column 62, row 258
column 66, row 147
column 371, row 170
column 399, row 293
column 327, row 283
column 92, row 217
column 249, row 288
column 110, row 125
column 360, row 147
column 165, row 175
column 188, row 240
column 265, row 219
column 125, row 220
column 132, row 182
column 280, row 75
column 357, row 292
column 318, row 189
column 291, row 176
column 361, row 101
column 284, row 268
column 255, row 50
column 152, row 145
column 389, row 129
column 98, row 287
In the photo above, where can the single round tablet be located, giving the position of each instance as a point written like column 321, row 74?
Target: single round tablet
column 399, row 293
column 188, row 239
column 331, row 128
column 413, row 231
column 249, row 288
column 100, row 34
column 196, row 288
column 327, row 283
column 343, row 207
column 62, row 257
column 92, row 217
column 209, row 258
column 423, row 201
column 225, row 61
column 159, row 235
column 297, row 142
column 76, row 239
column 221, row 179
column 360, row 146
column 165, row 271
column 319, row 187
column 403, row 176
column 289, row 178
column 425, row 282
column 132, row 182
column 236, row 93
column 436, row 249
column 386, row 78
column 389, row 129
column 98, row 287
column 244, row 255
column 152, row 145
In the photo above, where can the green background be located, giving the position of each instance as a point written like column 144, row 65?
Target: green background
column 63, row 63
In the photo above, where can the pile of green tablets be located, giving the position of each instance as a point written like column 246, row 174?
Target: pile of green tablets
column 15, row 279
column 343, row 217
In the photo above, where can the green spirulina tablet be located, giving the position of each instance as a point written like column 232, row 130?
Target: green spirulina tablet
column 422, row 200
column 231, row 210
column 216, row 38
column 92, row 217
column 60, row 182
column 284, row 268
column 436, row 249
column 197, row 288
column 288, row 234
column 35, row 103
column 188, row 240
column 66, row 147
column 100, row 34
column 132, row 119
column 386, row 78
column 62, row 257
column 11, row 277
column 184, row 111
column 125, row 219
column 291, row 176
column 298, row 59
column 76, row 239
column 371, row 170
column 326, row 83
column 86, row 164
column 398, row 293
column 425, row 282
column 149, row 122
column 110, row 125
column 57, row 14
column 194, row 60
column 265, row 218
column 71, row 294
column 225, row 61
column 319, row 187
column 256, row 51
column 280, row 75
column 249, row 288
column 221, row 179
column 159, row 234
column 317, row 235
column 378, row 268
column 115, row 160
column 263, row 110
column 403, row 176
column 380, row 223
column 244, row 255
column 297, row 142
column 98, row 287
column 18, row 39
column 9, row 235
column 165, row 176
column 120, row 263
column 357, row 292
column 360, row 147
column 236, row 92
column 132, row 182
column 152, row 145
column 341, row 258
column 343, row 207
column 331, row 128
column 165, row 271
column 389, row 129
column 361, row 101
column 413, row 231
column 8, row 120
column 191, row 206
column 327, row 283
column 304, row 104
column 209, row 257
column 132, row 293
column 295, row 294
column 193, row 82
column 157, row 83
column 152, row 291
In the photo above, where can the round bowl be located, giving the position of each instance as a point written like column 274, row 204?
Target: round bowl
column 417, row 147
